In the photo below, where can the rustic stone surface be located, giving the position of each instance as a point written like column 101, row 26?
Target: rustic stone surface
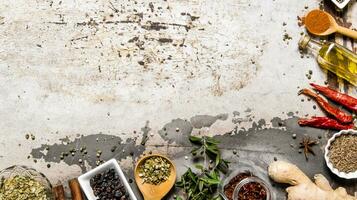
column 79, row 72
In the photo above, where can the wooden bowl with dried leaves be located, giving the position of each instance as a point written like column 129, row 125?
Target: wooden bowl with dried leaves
column 340, row 154
column 155, row 175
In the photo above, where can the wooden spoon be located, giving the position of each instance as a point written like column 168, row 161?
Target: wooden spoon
column 321, row 23
column 155, row 192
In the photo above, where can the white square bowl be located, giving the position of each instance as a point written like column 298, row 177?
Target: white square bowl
column 84, row 179
column 341, row 3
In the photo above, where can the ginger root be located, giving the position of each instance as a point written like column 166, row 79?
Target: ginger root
column 303, row 188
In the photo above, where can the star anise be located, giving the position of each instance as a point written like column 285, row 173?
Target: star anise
column 307, row 143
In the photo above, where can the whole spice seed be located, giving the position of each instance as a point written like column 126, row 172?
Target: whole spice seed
column 343, row 153
column 306, row 144
column 22, row 187
column 155, row 170
column 107, row 185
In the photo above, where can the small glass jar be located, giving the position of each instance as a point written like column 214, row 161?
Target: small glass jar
column 248, row 180
column 255, row 170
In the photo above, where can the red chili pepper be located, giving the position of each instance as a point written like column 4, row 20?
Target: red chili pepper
column 325, row 123
column 337, row 113
column 343, row 99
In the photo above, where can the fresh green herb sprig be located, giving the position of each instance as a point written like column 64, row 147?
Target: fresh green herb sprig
column 203, row 185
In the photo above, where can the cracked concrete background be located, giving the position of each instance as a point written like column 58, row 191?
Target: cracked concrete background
column 140, row 76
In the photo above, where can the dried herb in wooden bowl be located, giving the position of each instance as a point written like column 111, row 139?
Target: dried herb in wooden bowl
column 343, row 153
column 155, row 170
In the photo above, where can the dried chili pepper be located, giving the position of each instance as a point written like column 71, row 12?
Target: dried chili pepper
column 337, row 113
column 343, row 99
column 325, row 123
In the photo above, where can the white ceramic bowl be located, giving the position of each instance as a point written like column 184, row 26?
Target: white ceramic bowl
column 84, row 180
column 351, row 175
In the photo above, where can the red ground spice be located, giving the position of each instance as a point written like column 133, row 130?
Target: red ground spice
column 252, row 191
column 249, row 191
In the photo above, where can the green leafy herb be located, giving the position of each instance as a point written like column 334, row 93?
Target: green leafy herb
column 203, row 185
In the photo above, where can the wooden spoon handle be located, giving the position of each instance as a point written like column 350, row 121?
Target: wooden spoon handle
column 347, row 32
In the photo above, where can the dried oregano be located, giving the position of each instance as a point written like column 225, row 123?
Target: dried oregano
column 155, row 170
column 22, row 187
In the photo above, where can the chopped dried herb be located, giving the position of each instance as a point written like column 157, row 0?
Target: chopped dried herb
column 22, row 187
column 343, row 153
column 155, row 170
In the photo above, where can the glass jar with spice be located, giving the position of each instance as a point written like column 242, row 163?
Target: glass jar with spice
column 247, row 182
column 251, row 188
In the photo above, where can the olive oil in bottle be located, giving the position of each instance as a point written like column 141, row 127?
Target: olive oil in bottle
column 333, row 57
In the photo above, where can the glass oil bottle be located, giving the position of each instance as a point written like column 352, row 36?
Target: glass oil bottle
column 333, row 57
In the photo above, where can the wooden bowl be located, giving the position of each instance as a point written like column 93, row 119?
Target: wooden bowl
column 155, row 192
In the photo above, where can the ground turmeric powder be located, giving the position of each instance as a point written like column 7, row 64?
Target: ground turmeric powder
column 317, row 21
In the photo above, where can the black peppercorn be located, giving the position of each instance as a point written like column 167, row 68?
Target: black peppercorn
column 107, row 185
